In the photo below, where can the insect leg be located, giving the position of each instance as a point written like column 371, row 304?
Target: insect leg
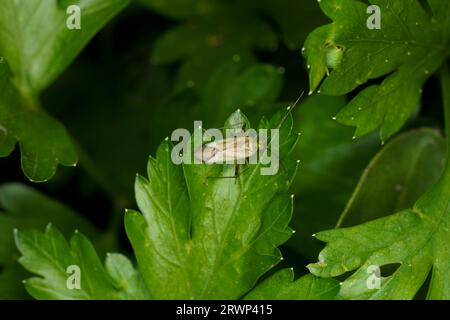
column 236, row 172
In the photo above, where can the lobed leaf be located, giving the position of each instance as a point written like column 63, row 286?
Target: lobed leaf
column 415, row 240
column 37, row 44
column 50, row 256
column 44, row 142
column 404, row 53
column 281, row 286
column 24, row 207
column 196, row 232
column 35, row 39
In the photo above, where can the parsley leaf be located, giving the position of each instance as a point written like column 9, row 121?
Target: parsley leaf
column 416, row 240
column 35, row 60
column 281, row 286
column 24, row 207
column 50, row 256
column 410, row 46
column 196, row 233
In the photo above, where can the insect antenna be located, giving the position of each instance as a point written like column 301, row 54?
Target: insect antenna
column 290, row 109
column 286, row 115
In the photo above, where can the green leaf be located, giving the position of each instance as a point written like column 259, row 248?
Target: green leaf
column 331, row 163
column 35, row 39
column 43, row 141
column 38, row 46
column 211, row 32
column 253, row 89
column 197, row 232
column 25, row 207
column 415, row 239
column 281, row 286
column 294, row 19
column 396, row 177
column 118, row 112
column 125, row 277
column 50, row 256
column 11, row 287
column 232, row 85
column 179, row 9
column 404, row 53
column 208, row 40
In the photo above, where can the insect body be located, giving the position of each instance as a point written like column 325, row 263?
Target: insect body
column 242, row 147
column 233, row 149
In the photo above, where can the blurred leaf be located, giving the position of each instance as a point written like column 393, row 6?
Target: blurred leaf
column 396, row 177
column 407, row 56
column 211, row 32
column 123, row 112
column 281, row 286
column 252, row 89
column 11, row 287
column 295, row 18
column 233, row 85
column 38, row 46
column 181, row 9
column 331, row 163
column 24, row 207
column 49, row 256
column 205, row 43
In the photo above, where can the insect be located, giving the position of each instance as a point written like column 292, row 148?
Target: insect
column 238, row 149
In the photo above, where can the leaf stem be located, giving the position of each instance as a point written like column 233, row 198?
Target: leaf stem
column 445, row 85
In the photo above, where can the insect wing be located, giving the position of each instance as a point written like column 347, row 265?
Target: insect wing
column 232, row 149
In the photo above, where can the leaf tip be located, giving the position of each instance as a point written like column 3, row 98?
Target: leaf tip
column 316, row 268
column 49, row 227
